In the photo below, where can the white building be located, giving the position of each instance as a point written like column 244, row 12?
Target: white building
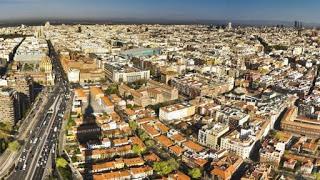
column 241, row 146
column 123, row 76
column 124, row 72
column 176, row 111
column 106, row 143
column 74, row 75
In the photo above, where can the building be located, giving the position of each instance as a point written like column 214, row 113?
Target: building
column 140, row 52
column 302, row 125
column 193, row 85
column 176, row 111
column 124, row 73
column 74, row 75
column 46, row 65
column 25, row 89
column 210, row 135
column 229, row 26
column 31, row 51
column 259, row 171
column 107, row 105
column 238, row 143
column 151, row 94
column 75, row 63
column 225, row 167
column 269, row 154
column 9, row 106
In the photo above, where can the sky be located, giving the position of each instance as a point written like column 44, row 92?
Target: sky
column 285, row 10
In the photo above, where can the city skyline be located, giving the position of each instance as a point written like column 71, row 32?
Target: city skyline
column 167, row 89
column 174, row 10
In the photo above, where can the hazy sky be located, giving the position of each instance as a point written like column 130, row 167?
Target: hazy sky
column 289, row 10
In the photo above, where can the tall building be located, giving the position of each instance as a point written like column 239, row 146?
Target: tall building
column 47, row 24
column 229, row 26
column 9, row 106
column 297, row 24
column 25, row 89
column 39, row 32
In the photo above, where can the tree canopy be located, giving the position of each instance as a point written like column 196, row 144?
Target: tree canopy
column 112, row 89
column 143, row 135
column 14, row 146
column 61, row 162
column 133, row 125
column 165, row 167
column 195, row 173
column 137, row 149
column 150, row 143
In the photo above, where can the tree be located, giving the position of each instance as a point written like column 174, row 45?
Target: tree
column 137, row 84
column 130, row 106
column 78, row 151
column 133, row 125
column 130, row 97
column 61, row 162
column 112, row 89
column 14, row 146
column 137, row 149
column 103, row 80
column 150, row 143
column 71, row 122
column 195, row 173
column 28, row 67
column 165, row 167
column 74, row 158
column 143, row 136
column 317, row 176
column 5, row 126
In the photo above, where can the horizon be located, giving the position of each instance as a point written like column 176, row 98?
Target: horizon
column 132, row 21
column 174, row 10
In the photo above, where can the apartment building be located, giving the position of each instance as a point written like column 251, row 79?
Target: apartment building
column 9, row 106
column 176, row 111
column 240, row 145
column 210, row 135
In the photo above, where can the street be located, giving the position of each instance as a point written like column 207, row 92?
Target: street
column 42, row 141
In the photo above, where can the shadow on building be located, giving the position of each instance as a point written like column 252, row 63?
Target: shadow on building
column 89, row 133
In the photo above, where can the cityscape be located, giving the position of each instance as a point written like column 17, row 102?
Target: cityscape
column 82, row 97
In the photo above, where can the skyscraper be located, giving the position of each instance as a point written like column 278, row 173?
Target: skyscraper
column 25, row 89
column 229, row 26
column 9, row 106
